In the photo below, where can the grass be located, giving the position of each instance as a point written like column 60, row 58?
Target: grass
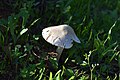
column 24, row 54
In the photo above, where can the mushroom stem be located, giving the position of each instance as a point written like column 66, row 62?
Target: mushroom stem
column 59, row 50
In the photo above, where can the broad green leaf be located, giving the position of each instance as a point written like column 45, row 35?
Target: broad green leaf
column 50, row 78
column 58, row 77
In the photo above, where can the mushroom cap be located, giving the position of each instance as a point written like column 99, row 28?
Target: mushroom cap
column 61, row 35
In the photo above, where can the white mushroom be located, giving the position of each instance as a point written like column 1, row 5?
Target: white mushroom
column 61, row 36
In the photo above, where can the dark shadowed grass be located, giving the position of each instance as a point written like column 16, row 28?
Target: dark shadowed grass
column 24, row 54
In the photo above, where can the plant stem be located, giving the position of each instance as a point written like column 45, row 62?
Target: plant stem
column 59, row 50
